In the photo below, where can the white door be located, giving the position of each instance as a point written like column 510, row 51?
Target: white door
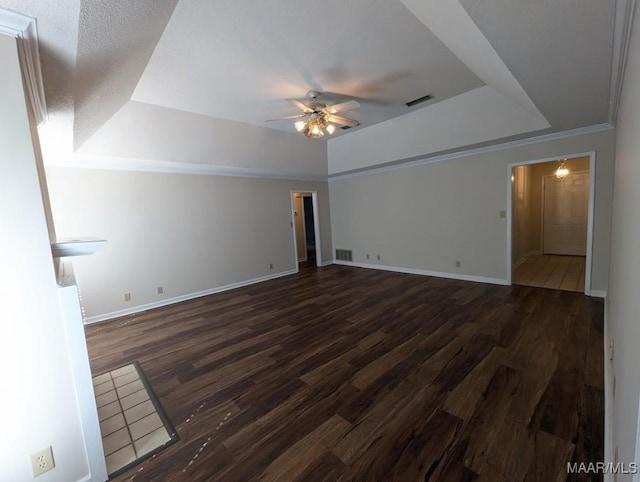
column 565, row 210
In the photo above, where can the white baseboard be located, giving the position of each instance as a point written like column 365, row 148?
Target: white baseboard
column 598, row 294
column 424, row 272
column 169, row 301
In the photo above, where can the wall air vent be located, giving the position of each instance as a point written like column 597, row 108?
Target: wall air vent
column 344, row 255
column 419, row 100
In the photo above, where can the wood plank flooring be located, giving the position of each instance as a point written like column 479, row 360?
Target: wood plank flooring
column 550, row 271
column 343, row 373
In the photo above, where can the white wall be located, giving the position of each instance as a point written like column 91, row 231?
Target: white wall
column 480, row 115
column 187, row 233
column 426, row 217
column 622, row 310
column 38, row 407
column 144, row 131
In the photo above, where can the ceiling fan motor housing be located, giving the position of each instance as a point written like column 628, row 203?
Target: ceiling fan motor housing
column 316, row 106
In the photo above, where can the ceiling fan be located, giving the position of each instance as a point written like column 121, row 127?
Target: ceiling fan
column 318, row 118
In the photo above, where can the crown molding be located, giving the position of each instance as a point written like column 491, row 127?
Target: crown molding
column 412, row 162
column 622, row 23
column 172, row 167
column 24, row 30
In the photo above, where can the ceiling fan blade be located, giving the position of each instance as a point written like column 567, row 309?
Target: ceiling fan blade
column 297, row 116
column 304, row 108
column 343, row 121
column 349, row 105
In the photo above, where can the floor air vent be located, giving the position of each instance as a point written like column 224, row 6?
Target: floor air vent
column 344, row 255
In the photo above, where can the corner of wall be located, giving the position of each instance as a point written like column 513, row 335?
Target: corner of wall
column 608, row 392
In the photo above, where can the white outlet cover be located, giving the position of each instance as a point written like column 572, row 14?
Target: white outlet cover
column 42, row 461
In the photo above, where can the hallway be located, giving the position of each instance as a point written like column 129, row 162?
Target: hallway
column 564, row 273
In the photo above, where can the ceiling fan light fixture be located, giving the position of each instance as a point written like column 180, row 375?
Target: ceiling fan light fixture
column 563, row 170
column 315, row 127
column 315, row 130
column 318, row 119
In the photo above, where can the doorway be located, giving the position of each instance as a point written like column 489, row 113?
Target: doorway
column 564, row 214
column 306, row 229
column 550, row 223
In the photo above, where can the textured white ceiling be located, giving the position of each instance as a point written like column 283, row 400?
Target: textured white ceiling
column 232, row 60
column 58, row 37
column 115, row 41
column 228, row 61
column 559, row 51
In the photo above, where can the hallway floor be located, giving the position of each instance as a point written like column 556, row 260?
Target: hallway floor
column 564, row 273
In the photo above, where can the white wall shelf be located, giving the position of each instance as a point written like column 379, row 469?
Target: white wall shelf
column 76, row 247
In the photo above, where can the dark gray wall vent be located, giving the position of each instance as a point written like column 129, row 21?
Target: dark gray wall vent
column 344, row 255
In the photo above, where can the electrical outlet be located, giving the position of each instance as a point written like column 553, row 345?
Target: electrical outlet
column 127, row 296
column 42, row 461
column 367, row 256
column 270, row 265
column 378, row 257
column 503, row 214
column 160, row 290
column 457, row 264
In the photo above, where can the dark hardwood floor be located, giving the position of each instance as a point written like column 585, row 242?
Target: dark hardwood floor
column 343, row 373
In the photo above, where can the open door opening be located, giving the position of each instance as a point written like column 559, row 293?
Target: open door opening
column 551, row 216
column 309, row 229
column 306, row 228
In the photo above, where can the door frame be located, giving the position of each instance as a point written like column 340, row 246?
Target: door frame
column 304, row 227
column 316, row 225
column 592, row 185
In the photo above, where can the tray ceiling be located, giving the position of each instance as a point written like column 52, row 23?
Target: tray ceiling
column 237, row 61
